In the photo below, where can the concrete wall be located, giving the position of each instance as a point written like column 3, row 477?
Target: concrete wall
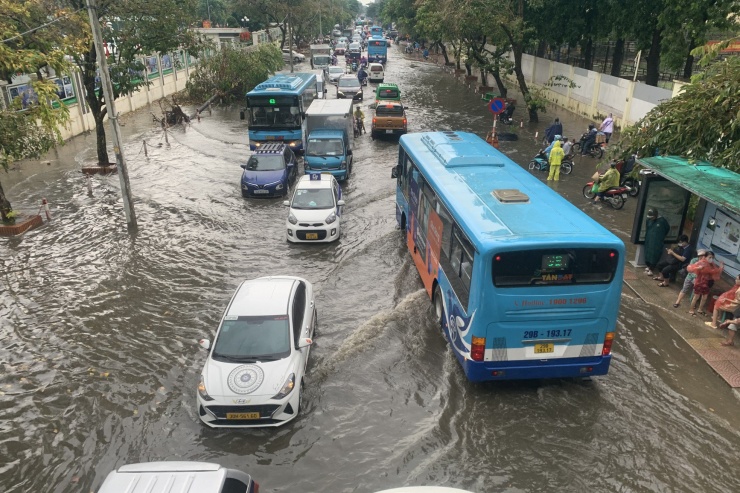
column 595, row 94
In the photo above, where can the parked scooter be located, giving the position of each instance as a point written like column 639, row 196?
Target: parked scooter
column 541, row 163
column 615, row 196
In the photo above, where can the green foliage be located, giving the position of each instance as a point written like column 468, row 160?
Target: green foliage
column 231, row 73
column 700, row 123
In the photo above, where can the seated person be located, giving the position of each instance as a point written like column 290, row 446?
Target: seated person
column 590, row 139
column 675, row 259
column 729, row 302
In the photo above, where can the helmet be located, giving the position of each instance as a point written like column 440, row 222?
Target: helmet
column 613, row 164
column 591, row 126
column 558, row 137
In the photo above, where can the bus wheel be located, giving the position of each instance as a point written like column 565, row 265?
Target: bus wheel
column 587, row 192
column 439, row 310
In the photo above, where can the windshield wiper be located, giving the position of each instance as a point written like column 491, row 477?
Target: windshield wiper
column 226, row 357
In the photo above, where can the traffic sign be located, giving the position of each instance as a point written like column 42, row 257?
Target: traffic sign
column 497, row 105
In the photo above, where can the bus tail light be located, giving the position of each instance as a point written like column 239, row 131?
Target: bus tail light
column 478, row 349
column 608, row 340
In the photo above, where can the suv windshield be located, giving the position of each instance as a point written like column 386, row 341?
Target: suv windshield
column 265, row 162
column 313, row 198
column 348, row 82
column 253, row 338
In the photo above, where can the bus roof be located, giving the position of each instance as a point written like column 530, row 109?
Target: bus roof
column 495, row 199
column 284, row 84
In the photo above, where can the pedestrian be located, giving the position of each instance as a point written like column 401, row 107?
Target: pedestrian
column 676, row 259
column 555, row 158
column 729, row 301
column 656, row 229
column 606, row 181
column 731, row 326
column 688, row 283
column 607, row 126
column 555, row 129
column 706, row 273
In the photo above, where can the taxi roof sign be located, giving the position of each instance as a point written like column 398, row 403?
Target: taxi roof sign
column 315, row 176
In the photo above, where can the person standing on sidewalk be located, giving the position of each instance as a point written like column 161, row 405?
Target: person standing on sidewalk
column 688, row 283
column 706, row 273
column 556, row 159
column 607, row 126
column 656, row 229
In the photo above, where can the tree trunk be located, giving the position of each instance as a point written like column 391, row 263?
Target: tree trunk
column 541, row 48
column 444, row 53
column 688, row 67
column 469, row 68
column 588, row 55
column 499, row 83
column 5, row 206
column 95, row 102
column 617, row 58
column 517, row 49
column 652, row 74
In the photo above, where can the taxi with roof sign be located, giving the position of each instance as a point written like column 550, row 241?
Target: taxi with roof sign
column 315, row 209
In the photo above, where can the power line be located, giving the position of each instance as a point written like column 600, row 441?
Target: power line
column 41, row 26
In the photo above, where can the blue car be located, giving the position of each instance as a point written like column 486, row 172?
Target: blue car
column 269, row 171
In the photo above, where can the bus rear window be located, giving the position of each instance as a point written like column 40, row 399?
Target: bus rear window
column 555, row 266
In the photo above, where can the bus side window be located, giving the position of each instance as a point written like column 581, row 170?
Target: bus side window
column 446, row 227
column 455, row 256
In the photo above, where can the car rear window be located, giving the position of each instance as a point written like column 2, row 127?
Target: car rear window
column 388, row 93
column 375, row 68
column 389, row 110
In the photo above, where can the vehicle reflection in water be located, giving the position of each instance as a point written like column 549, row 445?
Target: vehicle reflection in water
column 99, row 328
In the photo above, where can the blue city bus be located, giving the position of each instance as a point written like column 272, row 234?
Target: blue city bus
column 524, row 284
column 275, row 109
column 376, row 31
column 377, row 50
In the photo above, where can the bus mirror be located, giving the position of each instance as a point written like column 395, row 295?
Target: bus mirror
column 394, row 171
column 241, row 115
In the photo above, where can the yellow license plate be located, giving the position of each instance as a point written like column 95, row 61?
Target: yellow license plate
column 242, row 415
column 544, row 348
column 312, row 236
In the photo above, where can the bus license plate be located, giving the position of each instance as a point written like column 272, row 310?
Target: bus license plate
column 242, row 415
column 312, row 236
column 544, row 348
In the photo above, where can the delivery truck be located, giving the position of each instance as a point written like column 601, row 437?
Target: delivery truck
column 329, row 137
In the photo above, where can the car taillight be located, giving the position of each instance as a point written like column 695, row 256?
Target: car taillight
column 256, row 488
column 374, row 120
column 404, row 122
column 478, row 348
column 608, row 340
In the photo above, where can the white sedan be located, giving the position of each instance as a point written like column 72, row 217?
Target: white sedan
column 315, row 209
column 253, row 375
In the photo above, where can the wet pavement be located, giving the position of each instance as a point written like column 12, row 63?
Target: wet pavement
column 99, row 330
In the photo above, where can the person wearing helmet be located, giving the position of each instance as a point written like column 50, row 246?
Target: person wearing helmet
column 555, row 159
column 590, row 139
column 606, row 181
column 548, row 149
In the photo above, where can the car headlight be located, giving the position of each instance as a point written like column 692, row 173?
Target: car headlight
column 331, row 218
column 202, row 390
column 287, row 387
column 340, row 93
column 292, row 219
column 279, row 186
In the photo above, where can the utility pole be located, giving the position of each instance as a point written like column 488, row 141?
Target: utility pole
column 290, row 40
column 110, row 104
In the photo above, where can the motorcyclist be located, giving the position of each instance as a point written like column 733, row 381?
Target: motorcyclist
column 548, row 149
column 360, row 118
column 363, row 61
column 362, row 76
column 607, row 180
column 508, row 112
column 590, row 139
column 333, row 59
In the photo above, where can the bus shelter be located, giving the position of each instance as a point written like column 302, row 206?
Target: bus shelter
column 668, row 183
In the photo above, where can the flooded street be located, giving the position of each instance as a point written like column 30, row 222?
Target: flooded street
column 99, row 330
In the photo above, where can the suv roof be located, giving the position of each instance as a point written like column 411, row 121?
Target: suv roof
column 272, row 148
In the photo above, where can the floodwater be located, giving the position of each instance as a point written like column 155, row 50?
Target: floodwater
column 98, row 332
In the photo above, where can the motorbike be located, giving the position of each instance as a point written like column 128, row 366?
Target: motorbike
column 353, row 66
column 596, row 150
column 541, row 163
column 628, row 177
column 358, row 126
column 615, row 196
column 363, row 80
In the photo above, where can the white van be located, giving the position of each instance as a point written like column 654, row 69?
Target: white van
column 177, row 476
column 375, row 72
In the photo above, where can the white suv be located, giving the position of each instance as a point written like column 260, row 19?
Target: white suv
column 253, row 374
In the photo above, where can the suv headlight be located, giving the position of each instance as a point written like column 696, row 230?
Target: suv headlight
column 292, row 219
column 331, row 218
column 202, row 390
column 287, row 387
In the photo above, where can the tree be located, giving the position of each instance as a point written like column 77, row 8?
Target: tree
column 31, row 131
column 700, row 123
column 231, row 72
column 134, row 29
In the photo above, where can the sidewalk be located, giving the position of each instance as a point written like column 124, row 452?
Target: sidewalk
column 704, row 340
